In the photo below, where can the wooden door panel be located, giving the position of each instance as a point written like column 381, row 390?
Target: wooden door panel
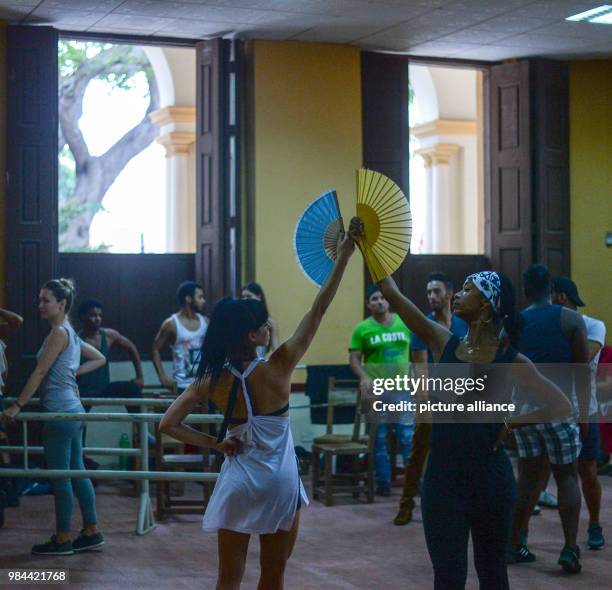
column 31, row 183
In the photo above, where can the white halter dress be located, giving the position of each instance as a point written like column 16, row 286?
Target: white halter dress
column 259, row 490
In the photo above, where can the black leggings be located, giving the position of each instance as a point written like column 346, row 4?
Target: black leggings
column 455, row 504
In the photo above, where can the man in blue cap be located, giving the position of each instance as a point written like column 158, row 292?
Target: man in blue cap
column 565, row 293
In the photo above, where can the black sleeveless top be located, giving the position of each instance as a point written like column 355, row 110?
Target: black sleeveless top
column 452, row 442
column 230, row 406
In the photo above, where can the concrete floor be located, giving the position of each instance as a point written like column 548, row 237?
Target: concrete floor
column 346, row 547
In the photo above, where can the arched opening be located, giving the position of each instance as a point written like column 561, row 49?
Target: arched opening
column 446, row 171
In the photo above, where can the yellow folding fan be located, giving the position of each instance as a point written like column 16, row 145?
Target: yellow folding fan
column 385, row 212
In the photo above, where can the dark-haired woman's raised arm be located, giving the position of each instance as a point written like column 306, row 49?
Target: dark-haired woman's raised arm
column 290, row 352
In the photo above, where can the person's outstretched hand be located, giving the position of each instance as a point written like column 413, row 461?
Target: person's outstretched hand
column 356, row 228
column 346, row 246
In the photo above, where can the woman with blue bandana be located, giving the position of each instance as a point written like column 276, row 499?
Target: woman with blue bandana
column 469, row 486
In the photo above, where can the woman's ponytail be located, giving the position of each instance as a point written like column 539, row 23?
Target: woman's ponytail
column 230, row 322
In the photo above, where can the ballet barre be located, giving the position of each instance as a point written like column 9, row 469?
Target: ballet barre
column 145, row 519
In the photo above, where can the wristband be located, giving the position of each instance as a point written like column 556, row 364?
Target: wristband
column 18, row 405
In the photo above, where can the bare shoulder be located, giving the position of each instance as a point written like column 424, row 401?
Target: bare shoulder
column 111, row 335
column 521, row 359
column 168, row 326
column 58, row 337
column 58, row 333
column 279, row 362
column 571, row 320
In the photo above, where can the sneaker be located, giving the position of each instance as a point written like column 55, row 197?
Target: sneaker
column 87, row 542
column 52, row 547
column 536, row 510
column 404, row 516
column 383, row 490
column 596, row 539
column 548, row 500
column 520, row 554
column 605, row 469
column 569, row 560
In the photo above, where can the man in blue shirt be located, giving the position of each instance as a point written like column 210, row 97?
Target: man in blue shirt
column 552, row 335
column 439, row 297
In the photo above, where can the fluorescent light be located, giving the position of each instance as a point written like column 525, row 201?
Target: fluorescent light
column 601, row 15
column 604, row 19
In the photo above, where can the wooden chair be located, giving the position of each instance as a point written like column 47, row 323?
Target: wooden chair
column 178, row 460
column 355, row 446
column 344, row 395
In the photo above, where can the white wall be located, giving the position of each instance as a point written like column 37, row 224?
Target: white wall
column 448, row 95
column 456, row 92
column 182, row 64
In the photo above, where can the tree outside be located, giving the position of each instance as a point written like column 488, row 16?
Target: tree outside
column 85, row 178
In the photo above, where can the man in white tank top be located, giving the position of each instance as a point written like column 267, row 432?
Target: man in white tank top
column 183, row 332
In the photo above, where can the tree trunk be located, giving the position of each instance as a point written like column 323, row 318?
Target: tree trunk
column 95, row 175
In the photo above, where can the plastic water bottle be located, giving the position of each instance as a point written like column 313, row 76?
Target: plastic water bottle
column 124, row 443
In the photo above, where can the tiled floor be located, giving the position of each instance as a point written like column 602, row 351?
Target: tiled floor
column 346, row 547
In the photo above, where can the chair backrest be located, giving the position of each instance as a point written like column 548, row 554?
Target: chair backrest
column 343, row 392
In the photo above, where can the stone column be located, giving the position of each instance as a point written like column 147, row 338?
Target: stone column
column 428, row 239
column 451, row 147
column 177, row 135
column 444, row 212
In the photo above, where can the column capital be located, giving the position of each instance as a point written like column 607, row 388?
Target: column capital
column 438, row 153
column 444, row 127
column 177, row 142
column 172, row 115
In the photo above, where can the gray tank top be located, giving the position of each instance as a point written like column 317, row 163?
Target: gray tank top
column 58, row 391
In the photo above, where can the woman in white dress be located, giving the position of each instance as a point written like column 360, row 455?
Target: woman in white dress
column 258, row 490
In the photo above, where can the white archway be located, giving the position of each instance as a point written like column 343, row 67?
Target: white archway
column 163, row 75
column 424, row 93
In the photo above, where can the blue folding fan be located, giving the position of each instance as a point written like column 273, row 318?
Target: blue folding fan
column 316, row 237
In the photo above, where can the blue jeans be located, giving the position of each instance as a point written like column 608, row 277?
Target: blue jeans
column 63, row 446
column 404, row 434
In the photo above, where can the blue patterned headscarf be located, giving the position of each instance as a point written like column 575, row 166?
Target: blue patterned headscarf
column 489, row 284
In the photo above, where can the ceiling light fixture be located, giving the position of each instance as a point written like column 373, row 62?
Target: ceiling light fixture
column 602, row 15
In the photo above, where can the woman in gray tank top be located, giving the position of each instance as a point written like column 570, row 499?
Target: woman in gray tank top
column 55, row 379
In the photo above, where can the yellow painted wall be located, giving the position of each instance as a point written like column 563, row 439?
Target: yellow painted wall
column 2, row 154
column 307, row 140
column 591, row 184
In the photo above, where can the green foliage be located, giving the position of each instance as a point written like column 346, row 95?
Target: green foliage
column 122, row 62
column 67, row 174
column 71, row 54
column 100, row 249
column 119, row 66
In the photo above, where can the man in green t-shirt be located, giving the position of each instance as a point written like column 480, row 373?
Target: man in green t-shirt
column 380, row 348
